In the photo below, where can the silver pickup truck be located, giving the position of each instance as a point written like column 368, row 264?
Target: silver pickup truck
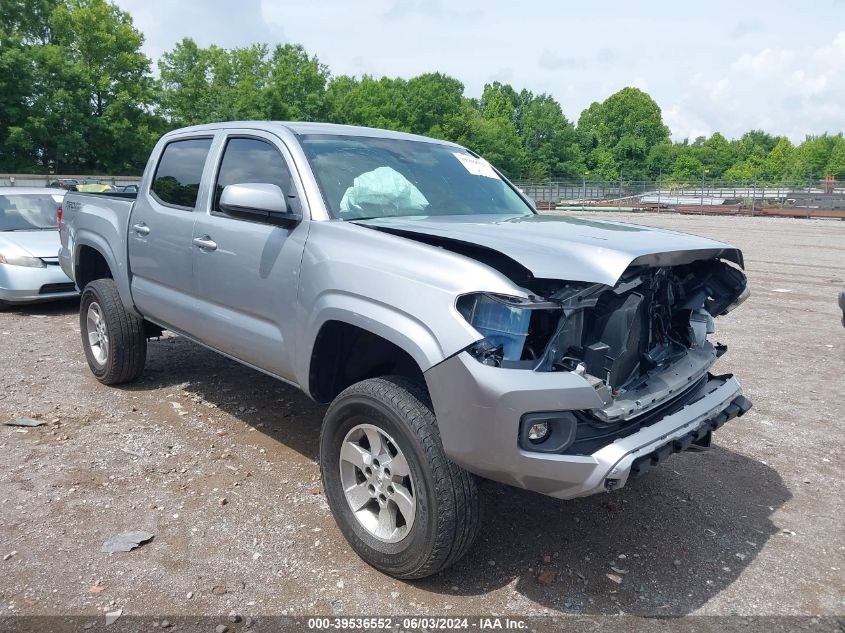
column 455, row 332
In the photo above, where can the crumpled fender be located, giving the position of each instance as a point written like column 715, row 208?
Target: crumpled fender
column 395, row 288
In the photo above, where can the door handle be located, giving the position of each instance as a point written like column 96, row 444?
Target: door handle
column 205, row 243
column 141, row 228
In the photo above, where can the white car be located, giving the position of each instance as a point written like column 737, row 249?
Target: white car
column 29, row 246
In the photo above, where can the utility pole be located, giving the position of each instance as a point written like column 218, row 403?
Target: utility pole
column 584, row 188
column 659, row 187
column 753, row 197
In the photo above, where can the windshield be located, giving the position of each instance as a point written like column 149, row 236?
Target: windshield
column 366, row 177
column 28, row 212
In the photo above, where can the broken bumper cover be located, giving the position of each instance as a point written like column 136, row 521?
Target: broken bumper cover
column 478, row 410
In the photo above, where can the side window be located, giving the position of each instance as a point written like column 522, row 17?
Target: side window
column 179, row 172
column 252, row 160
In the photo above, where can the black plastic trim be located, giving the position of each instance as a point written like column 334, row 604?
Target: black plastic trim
column 700, row 436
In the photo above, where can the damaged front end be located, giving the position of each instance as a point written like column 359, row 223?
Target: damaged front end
column 641, row 344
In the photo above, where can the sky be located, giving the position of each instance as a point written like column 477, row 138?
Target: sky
column 726, row 66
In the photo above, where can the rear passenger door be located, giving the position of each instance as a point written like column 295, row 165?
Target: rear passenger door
column 160, row 233
column 247, row 270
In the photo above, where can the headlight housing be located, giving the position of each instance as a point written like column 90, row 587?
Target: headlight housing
column 22, row 260
column 503, row 321
column 743, row 296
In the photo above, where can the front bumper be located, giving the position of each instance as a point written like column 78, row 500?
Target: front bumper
column 478, row 410
column 20, row 284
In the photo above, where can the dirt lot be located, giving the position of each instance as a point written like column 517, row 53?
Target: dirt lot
column 754, row 526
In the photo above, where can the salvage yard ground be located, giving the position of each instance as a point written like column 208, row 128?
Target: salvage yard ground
column 218, row 462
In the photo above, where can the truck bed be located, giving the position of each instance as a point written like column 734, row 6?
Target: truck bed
column 101, row 221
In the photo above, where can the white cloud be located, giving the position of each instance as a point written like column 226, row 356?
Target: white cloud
column 706, row 73
column 789, row 91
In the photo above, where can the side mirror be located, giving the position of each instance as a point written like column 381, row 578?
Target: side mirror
column 258, row 201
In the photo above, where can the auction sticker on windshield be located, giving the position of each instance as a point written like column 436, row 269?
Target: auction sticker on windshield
column 476, row 166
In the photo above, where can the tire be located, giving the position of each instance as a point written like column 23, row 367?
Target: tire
column 120, row 357
column 446, row 502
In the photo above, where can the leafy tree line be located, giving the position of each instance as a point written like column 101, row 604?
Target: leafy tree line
column 78, row 95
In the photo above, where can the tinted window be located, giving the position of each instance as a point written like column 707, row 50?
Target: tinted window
column 250, row 160
column 179, row 172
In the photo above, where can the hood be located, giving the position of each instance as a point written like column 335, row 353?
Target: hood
column 565, row 248
column 44, row 244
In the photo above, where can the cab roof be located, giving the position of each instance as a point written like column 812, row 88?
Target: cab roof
column 300, row 128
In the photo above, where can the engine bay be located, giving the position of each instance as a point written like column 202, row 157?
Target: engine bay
column 619, row 338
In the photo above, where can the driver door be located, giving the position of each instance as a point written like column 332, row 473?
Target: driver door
column 246, row 271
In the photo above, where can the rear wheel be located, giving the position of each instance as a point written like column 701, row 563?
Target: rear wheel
column 401, row 504
column 113, row 338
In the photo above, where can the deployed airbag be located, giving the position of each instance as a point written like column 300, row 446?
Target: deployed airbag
column 383, row 187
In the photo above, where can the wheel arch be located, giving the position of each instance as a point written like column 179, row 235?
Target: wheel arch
column 345, row 353
column 95, row 259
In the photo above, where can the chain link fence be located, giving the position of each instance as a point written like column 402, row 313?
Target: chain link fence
column 825, row 198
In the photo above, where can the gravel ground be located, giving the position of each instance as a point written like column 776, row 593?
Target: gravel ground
column 218, row 462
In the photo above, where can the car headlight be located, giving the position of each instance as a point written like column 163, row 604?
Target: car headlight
column 504, row 323
column 20, row 260
column 743, row 296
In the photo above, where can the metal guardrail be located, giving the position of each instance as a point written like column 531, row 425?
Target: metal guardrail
column 44, row 180
column 824, row 195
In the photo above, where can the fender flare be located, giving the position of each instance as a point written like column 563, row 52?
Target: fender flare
column 403, row 330
column 119, row 271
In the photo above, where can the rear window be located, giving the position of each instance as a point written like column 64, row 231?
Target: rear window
column 179, row 172
column 28, row 212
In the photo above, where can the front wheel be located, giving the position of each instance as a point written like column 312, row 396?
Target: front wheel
column 113, row 338
column 401, row 504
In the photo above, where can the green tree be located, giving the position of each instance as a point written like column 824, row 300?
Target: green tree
column 297, row 85
column 660, row 159
column 717, row 154
column 836, row 163
column 369, row 102
column 548, row 138
column 28, row 19
column 499, row 101
column 87, row 86
column 602, row 165
column 247, row 85
column 627, row 125
column 102, row 49
column 687, row 169
column 813, row 155
column 434, row 105
column 748, row 170
column 493, row 137
column 755, row 143
column 201, row 85
column 780, row 165
column 24, row 29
